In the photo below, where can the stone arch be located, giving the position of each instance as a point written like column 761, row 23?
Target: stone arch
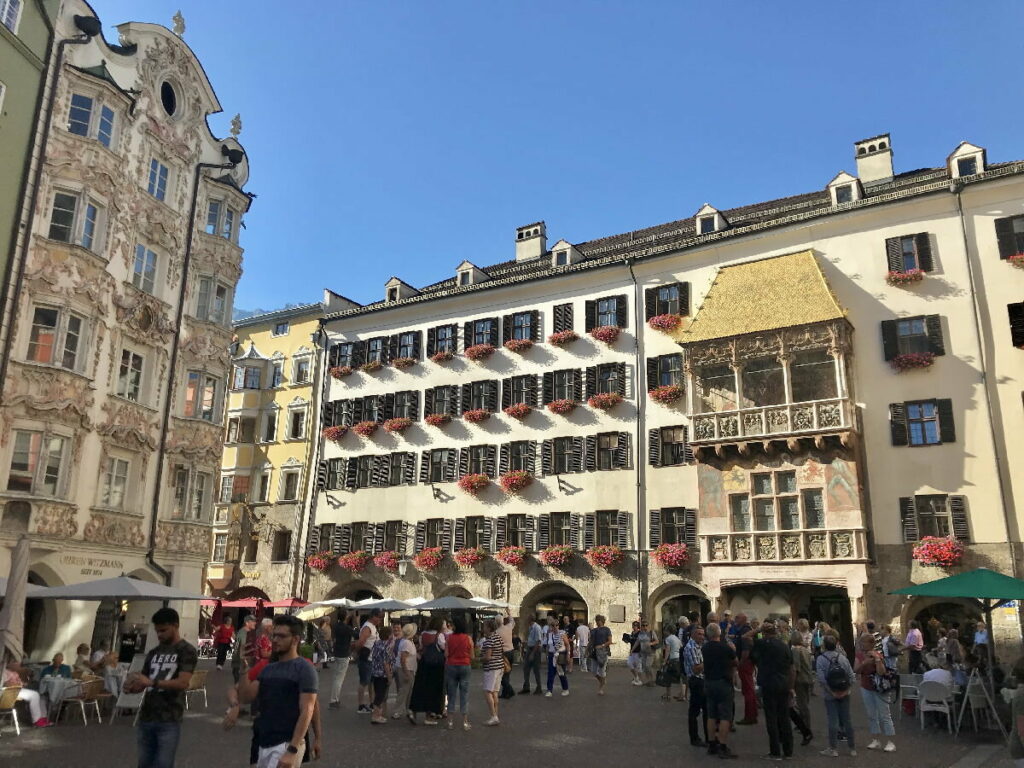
column 42, row 617
column 675, row 598
column 455, row 590
column 353, row 590
column 560, row 596
column 953, row 609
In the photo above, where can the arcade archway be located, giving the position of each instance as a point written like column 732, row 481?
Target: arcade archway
column 354, row 590
column 555, row 597
column 675, row 599
column 936, row 612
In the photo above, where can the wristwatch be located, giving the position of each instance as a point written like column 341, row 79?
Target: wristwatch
column 291, row 749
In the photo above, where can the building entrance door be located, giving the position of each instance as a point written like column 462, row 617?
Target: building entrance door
column 834, row 610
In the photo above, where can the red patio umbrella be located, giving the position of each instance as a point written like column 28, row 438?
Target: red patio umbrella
column 252, row 603
column 290, row 602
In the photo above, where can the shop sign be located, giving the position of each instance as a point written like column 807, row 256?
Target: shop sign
column 93, row 566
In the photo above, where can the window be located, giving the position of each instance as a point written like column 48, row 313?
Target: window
column 909, row 252
column 465, row 277
column 777, row 504
column 280, row 551
column 1010, row 236
column 393, row 530
column 443, row 401
column 739, row 507
column 844, row 194
column 674, row 526
column 220, row 547
column 668, row 371
column 364, row 471
column 933, row 516
column 405, row 405
column 75, row 219
column 289, row 484
column 246, row 377
column 564, row 455
column 372, row 407
column 763, row 382
column 673, row 445
column 262, row 487
column 923, row 423
column 375, row 350
column 561, row 529
column 157, row 185
column 241, row 429
column 483, row 331
column 179, row 483
column 144, row 269
column 717, row 389
column 813, row 376
column 393, row 294
column 200, row 495
column 480, row 394
column 476, row 532
column 607, row 527
column 200, row 395
column 226, row 485
column 276, row 375
column 335, row 474
column 62, row 217
column 814, row 508
column 667, row 300
column 434, row 532
column 561, row 318
column 394, row 468
column 281, row 329
column 561, row 258
column 522, row 326
column 445, row 338
column 213, row 302
column 407, row 344
column 344, row 354
column 563, row 383
column 213, row 217
column 37, row 463
column 967, row 166
column 56, row 337
column 607, row 447
column 10, row 11
column 517, row 531
column 84, row 119
column 520, row 455
column 912, row 336
column 1016, row 315
column 608, row 311
column 706, row 225
column 522, row 390
column 296, row 424
column 115, row 483
column 301, row 370
column 478, row 460
column 608, row 378
column 129, row 378
column 439, row 462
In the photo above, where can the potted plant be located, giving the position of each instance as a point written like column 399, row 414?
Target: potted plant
column 605, row 556
column 479, row 352
column 904, row 278
column 938, row 551
column 604, row 401
column 512, row 555
column 908, row 361
column 561, row 338
column 387, row 561
column 606, row 333
column 354, row 562
column 371, row 366
column 319, row 561
column 429, row 559
column 404, row 362
column 561, row 407
column 556, row 555
column 1017, row 260
column 666, row 394
column 518, row 411
column 365, row 428
column 665, row 323
column 518, row 345
column 437, row 419
column 473, row 483
column 442, row 357
column 467, row 557
column 341, row 371
column 515, row 480
column 671, row 555
column 398, row 424
column 335, row 433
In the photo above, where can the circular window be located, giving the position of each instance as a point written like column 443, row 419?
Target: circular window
column 168, row 98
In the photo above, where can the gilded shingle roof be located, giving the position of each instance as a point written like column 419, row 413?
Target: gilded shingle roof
column 764, row 295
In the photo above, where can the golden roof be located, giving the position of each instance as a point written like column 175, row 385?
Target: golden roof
column 764, row 295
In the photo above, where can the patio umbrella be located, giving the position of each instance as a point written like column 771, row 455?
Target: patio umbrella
column 291, row 602
column 12, row 615
column 31, row 590
column 386, row 605
column 322, row 608
column 449, row 603
column 252, row 603
column 117, row 588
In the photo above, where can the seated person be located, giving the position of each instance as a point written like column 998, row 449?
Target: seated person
column 56, row 668
column 939, row 675
column 99, row 656
column 16, row 675
column 82, row 662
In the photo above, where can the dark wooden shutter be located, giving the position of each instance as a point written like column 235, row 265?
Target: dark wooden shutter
column 491, row 400
column 531, row 457
column 531, row 390
column 894, row 254
column 380, row 471
column 431, row 341
column 577, row 453
column 562, row 318
column 577, row 385
column 908, row 519
column 590, row 315
column 622, row 452
column 327, row 415
column 1016, row 314
column 487, row 533
column 357, row 409
column 1005, row 238
column 620, row 379
column 650, row 303
column 591, row 379
column 621, row 315
column 898, row 423
column 958, row 512
column 589, row 530
column 500, row 532
column 622, row 530
column 466, row 397
column 530, row 535
column 947, row 427
column 923, row 243
column 503, row 458
column 933, row 326
column 351, row 470
column 543, row 531
column 420, row 537
column 344, row 534
column 428, row 402
column 684, row 299
column 506, row 328
column 590, row 460
column 414, row 405
column 506, row 392
column 409, row 468
column 687, row 450
column 547, row 457
column 334, row 355
column 652, row 373
column 390, row 348
column 549, row 386
column 403, row 538
column 446, row 536
column 453, row 400
column 575, row 530
column 534, row 325
column 493, row 333
column 654, row 528
column 378, row 537
column 654, row 447
column 313, row 545
column 358, row 353
column 690, row 531
column 890, row 340
column 425, row 467
column 449, row 470
column 490, row 460
column 321, row 475
column 467, row 335
column 460, row 533
column 388, row 409
column 463, row 462
column 417, row 341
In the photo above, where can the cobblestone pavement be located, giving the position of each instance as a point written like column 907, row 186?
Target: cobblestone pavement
column 628, row 727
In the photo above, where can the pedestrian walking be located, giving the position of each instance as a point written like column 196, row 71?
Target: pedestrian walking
column 381, row 660
column 835, row 677
column 633, row 660
column 673, row 664
column 559, row 659
column 776, row 677
column 804, row 665
column 286, row 691
column 531, row 656
column 406, row 664
column 870, row 668
column 719, row 668
column 644, row 646
column 241, row 641
column 428, row 687
column 341, row 641
column 581, row 646
column 494, row 665
column 223, row 636
column 168, row 671
column 459, row 656
column 743, row 638
column 915, row 648
column 506, row 629
column 600, row 648
column 693, row 669
column 368, row 636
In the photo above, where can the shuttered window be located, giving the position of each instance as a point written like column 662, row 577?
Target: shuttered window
column 517, row 531
column 521, row 326
column 565, row 457
column 441, row 338
column 934, row 515
column 922, row 422
column 519, row 389
column 482, row 331
column 606, row 378
column 606, row 529
column 913, row 335
column 566, row 384
column 434, row 532
column 560, row 529
column 676, row 525
column 480, row 395
column 909, row 252
column 1016, row 313
column 607, row 311
column 607, row 447
column 665, row 370
column 668, row 299
column 668, row 446
column 407, row 405
column 561, row 318
column 1010, row 236
column 520, row 456
column 440, row 465
column 375, row 350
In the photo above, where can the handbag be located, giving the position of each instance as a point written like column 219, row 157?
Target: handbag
column 506, row 666
column 563, row 658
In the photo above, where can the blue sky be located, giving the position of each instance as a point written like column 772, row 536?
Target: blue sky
column 403, row 137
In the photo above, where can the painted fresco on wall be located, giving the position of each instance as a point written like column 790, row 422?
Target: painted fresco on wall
column 735, row 480
column 810, row 473
column 711, row 496
column 841, row 486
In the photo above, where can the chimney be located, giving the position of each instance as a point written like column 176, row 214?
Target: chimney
column 874, row 160
column 531, row 241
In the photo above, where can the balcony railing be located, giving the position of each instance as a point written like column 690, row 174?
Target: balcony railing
column 808, row 545
column 772, row 420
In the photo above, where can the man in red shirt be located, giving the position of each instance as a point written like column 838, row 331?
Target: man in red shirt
column 222, row 638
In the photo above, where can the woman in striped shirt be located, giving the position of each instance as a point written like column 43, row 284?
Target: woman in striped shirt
column 494, row 666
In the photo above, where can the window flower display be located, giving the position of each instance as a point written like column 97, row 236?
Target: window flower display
column 666, row 394
column 1017, row 260
column 442, row 357
column 479, row 352
column 518, row 410
column 561, row 407
column 561, row 338
column 911, row 360
column 476, row 415
column 398, row 424
column 371, row 367
column 467, row 557
column 939, row 551
column 512, row 555
column 671, row 555
column 354, row 562
column 403, row 362
column 387, row 561
column 437, row 419
column 518, row 345
column 319, row 561
column 606, row 333
column 904, row 278
column 605, row 556
column 665, row 323
column 334, row 434
column 515, row 481
column 473, row 483
column 365, row 428
column 604, row 401
column 556, row 555
column 341, row 371
column 429, row 559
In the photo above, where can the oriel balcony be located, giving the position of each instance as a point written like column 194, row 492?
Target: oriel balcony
column 789, row 547
column 807, row 418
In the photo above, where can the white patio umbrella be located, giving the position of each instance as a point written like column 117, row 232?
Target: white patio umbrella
column 117, row 588
column 31, row 590
column 386, row 604
column 12, row 615
column 449, row 603
column 322, row 608
column 484, row 602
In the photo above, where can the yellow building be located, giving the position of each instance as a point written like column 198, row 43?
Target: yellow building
column 264, row 470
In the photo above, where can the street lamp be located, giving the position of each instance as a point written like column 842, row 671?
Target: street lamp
column 403, row 567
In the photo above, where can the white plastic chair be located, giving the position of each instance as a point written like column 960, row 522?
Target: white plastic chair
column 909, row 689
column 976, row 700
column 935, row 697
column 128, row 702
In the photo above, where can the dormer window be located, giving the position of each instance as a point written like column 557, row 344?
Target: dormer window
column 709, row 220
column 967, row 166
column 393, row 293
column 707, row 224
column 561, row 258
column 844, row 194
column 465, row 277
column 966, row 160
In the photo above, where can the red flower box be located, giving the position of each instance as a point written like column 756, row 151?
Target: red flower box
column 339, row 372
column 911, row 360
column 371, row 367
column 473, row 483
column 518, row 345
column 476, row 415
column 437, row 419
column 667, row 394
column 404, row 362
column 605, row 555
column 397, row 424
column 354, row 562
column 665, row 323
column 514, row 556
column 604, row 400
column 556, row 555
column 561, row 338
column 606, row 333
column 518, row 410
column 904, row 278
column 515, row 481
column 442, row 357
column 1017, row 260
column 429, row 559
column 935, row 550
column 387, row 561
column 467, row 557
column 671, row 555
column 365, row 428
column 561, row 407
column 319, row 561
column 334, row 434
column 479, row 352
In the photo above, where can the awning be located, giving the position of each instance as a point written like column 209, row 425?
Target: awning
column 117, row 588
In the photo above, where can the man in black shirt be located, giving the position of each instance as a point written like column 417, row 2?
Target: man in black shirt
column 776, row 675
column 342, row 633
column 719, row 668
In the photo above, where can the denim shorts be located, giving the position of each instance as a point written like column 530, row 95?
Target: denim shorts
column 365, row 672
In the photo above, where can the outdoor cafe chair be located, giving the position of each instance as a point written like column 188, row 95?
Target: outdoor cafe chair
column 128, row 702
column 91, row 691
column 909, row 685
column 935, row 697
column 197, row 684
column 8, row 700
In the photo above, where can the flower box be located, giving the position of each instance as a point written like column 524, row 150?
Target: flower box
column 556, row 555
column 665, row 323
column 671, row 555
column 437, row 419
column 935, row 550
column 365, row 428
column 479, row 352
column 561, row 338
column 397, row 424
column 904, row 278
column 666, row 394
column 354, row 562
column 604, row 400
column 371, row 367
column 476, row 415
column 403, row 362
column 339, row 372
column 442, row 357
column 387, row 561
column 334, row 434
column 605, row 556
column 518, row 410
column 319, row 561
column 473, row 483
column 467, row 557
column 514, row 556
column 911, row 360
column 1017, row 260
column 518, row 345
column 606, row 333
column 429, row 559
column 561, row 407
column 515, row 481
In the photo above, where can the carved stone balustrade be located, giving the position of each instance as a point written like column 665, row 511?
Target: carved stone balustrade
column 807, row 545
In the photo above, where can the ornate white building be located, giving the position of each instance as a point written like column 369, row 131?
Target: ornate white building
column 113, row 399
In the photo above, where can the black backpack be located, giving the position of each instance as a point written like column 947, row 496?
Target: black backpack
column 432, row 656
column 835, row 676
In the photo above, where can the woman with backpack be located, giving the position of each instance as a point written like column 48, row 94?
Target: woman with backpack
column 428, row 686
column 836, row 679
column 875, row 689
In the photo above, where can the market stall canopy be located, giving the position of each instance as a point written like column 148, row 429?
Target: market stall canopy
column 449, row 603
column 979, row 584
column 117, row 588
column 291, row 602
